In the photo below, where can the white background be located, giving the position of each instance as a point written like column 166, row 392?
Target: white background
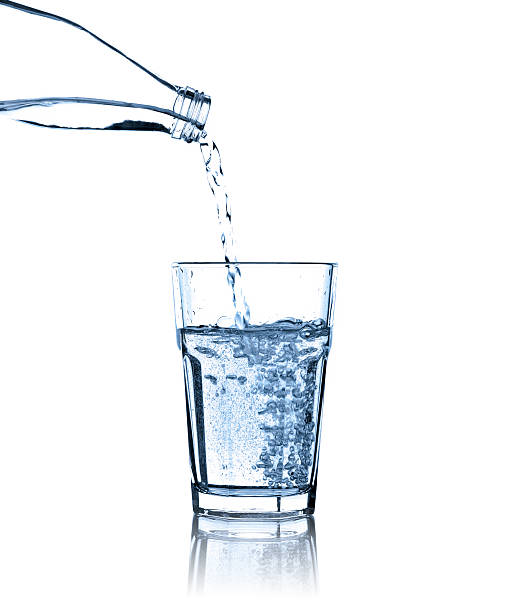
column 373, row 133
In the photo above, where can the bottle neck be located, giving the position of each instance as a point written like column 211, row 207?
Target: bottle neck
column 192, row 107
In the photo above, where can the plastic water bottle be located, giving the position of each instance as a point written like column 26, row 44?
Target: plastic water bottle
column 80, row 81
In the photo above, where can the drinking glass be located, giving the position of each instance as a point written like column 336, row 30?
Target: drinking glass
column 254, row 394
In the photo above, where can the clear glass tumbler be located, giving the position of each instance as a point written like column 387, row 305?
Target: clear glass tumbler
column 254, row 395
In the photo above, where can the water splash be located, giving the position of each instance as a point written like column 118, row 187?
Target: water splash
column 215, row 176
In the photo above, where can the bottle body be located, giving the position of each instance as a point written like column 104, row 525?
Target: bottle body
column 79, row 81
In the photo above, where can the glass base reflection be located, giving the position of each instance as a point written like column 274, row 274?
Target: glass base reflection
column 240, row 554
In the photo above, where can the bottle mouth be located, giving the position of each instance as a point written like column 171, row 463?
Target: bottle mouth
column 195, row 106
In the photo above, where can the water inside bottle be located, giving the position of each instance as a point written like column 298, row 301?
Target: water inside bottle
column 95, row 112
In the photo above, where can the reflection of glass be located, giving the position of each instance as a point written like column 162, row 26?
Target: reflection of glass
column 274, row 555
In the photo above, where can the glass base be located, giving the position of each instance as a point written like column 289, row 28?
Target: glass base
column 241, row 505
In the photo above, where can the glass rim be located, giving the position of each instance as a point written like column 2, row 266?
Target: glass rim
column 176, row 264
